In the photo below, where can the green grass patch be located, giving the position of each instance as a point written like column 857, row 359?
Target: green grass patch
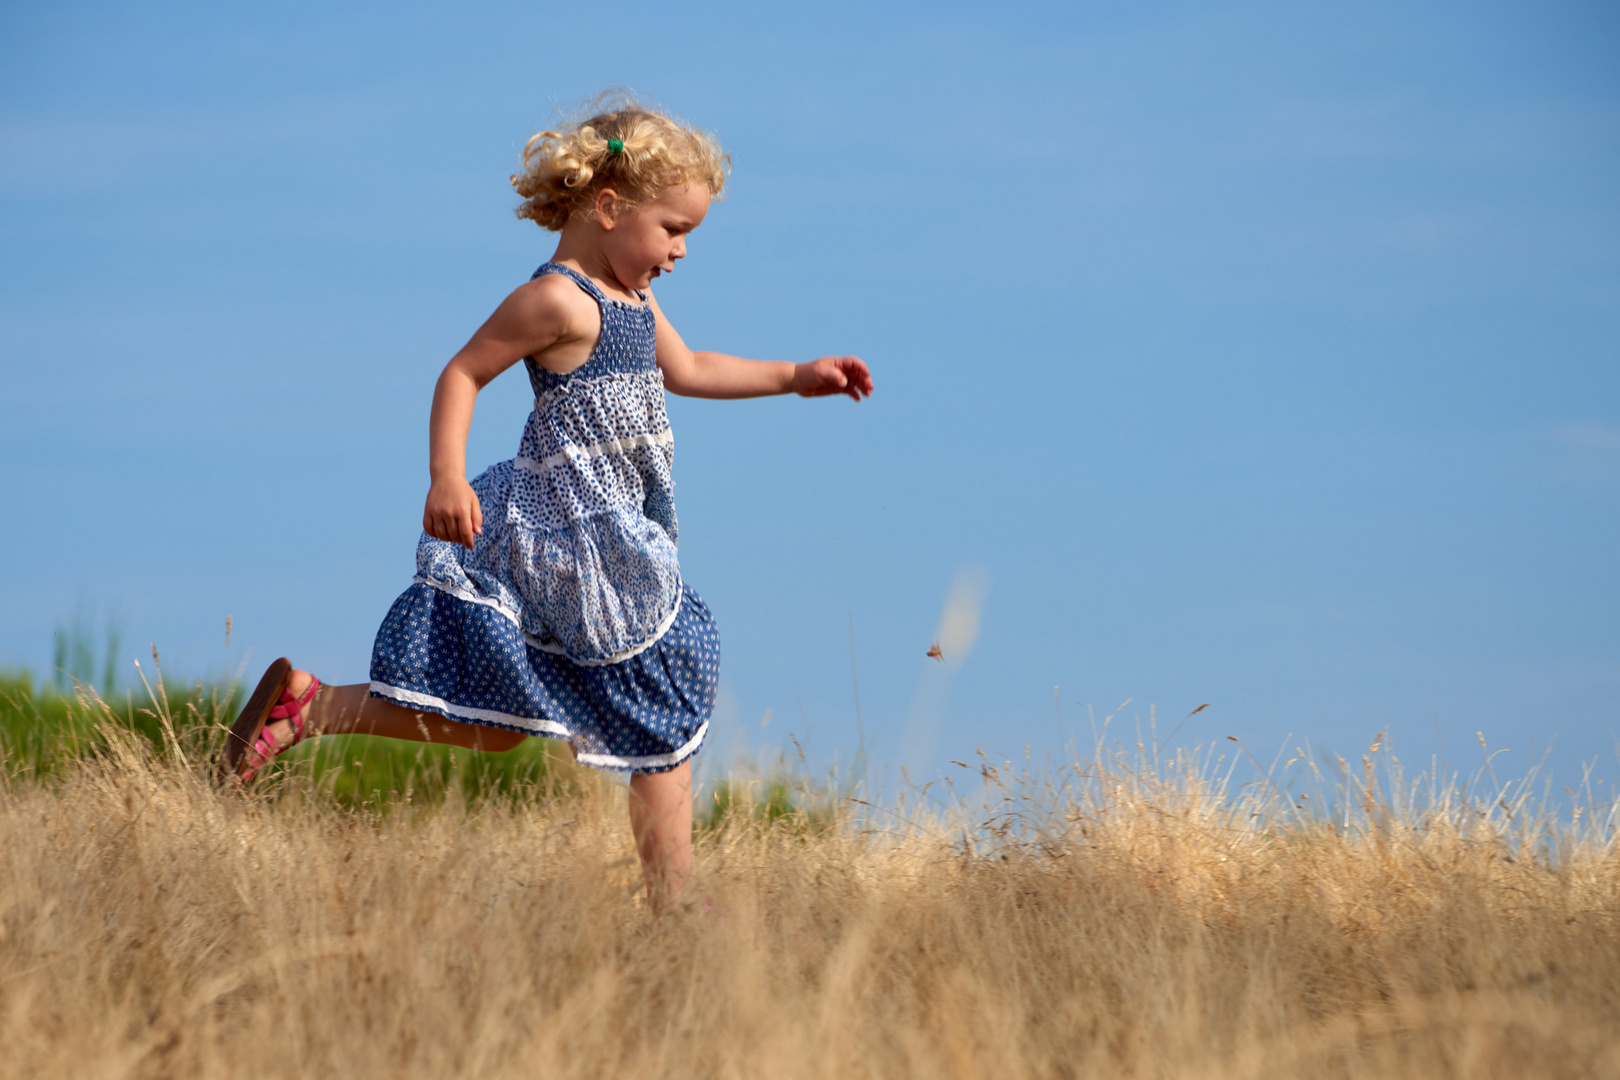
column 44, row 730
column 781, row 802
column 377, row 773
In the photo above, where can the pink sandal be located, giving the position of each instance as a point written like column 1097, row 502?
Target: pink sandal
column 271, row 700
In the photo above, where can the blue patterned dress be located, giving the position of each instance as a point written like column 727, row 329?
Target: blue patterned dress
column 569, row 616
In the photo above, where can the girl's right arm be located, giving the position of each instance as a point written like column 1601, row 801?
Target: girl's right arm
column 530, row 321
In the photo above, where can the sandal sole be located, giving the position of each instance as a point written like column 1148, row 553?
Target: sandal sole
column 250, row 721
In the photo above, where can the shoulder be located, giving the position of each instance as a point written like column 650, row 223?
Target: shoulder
column 552, row 301
column 553, row 292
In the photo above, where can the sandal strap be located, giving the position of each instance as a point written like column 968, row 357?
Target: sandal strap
column 289, row 708
column 265, row 748
column 292, row 708
column 267, row 751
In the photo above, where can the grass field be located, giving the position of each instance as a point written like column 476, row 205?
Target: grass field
column 1117, row 916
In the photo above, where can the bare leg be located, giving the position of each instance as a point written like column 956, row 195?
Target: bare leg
column 660, row 803
column 661, row 820
column 351, row 710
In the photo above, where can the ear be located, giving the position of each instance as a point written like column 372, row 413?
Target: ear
column 607, row 207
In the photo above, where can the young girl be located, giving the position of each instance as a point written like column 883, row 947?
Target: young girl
column 548, row 599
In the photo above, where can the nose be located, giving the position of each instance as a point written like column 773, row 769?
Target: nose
column 679, row 251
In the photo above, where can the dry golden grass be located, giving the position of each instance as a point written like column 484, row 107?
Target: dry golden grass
column 1112, row 922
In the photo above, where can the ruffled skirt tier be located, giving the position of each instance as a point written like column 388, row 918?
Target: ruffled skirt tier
column 470, row 662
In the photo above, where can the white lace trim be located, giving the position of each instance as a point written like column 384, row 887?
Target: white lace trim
column 471, row 597
column 595, row 450
column 648, row 761
column 550, row 646
column 411, row 697
column 619, row 657
column 547, row 727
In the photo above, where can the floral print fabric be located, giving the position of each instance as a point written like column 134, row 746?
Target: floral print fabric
column 575, row 580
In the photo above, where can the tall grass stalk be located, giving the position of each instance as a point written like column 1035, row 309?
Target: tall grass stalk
column 1114, row 916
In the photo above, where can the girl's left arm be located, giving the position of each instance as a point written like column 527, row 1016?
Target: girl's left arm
column 717, row 375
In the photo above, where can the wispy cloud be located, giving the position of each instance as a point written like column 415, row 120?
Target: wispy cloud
column 957, row 632
column 959, row 622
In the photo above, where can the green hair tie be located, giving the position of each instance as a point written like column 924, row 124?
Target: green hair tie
column 615, row 146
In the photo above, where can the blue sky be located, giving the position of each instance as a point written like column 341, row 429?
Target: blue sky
column 1258, row 354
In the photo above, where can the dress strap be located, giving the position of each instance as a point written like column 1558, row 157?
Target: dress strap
column 582, row 281
column 579, row 279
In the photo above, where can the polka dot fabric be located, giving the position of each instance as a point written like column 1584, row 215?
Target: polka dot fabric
column 468, row 661
column 569, row 617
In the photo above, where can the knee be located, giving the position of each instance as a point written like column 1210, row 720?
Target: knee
column 497, row 741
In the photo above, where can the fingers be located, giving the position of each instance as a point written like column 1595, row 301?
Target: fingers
column 447, row 529
column 467, row 523
column 459, row 523
column 855, row 379
column 829, row 375
column 840, row 375
column 860, row 374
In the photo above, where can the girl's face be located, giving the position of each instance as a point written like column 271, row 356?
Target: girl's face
column 643, row 243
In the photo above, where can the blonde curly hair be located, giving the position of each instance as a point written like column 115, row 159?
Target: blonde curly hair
column 563, row 170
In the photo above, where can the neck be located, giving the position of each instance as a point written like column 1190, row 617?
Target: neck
column 580, row 248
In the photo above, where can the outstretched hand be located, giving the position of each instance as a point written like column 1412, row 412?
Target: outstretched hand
column 832, row 375
column 452, row 513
